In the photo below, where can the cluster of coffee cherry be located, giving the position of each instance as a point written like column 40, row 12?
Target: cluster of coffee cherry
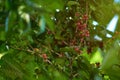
column 82, row 31
column 81, row 25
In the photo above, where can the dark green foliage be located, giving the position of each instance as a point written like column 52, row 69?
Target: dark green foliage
column 54, row 39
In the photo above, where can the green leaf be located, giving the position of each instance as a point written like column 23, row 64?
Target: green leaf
column 70, row 3
column 97, row 57
column 111, row 61
column 10, row 21
column 49, row 6
column 42, row 25
column 49, row 22
column 2, row 35
column 67, row 49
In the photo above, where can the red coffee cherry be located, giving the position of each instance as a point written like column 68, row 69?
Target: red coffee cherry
column 84, row 25
column 44, row 56
column 78, row 23
column 85, row 17
column 77, row 14
column 87, row 33
column 77, row 49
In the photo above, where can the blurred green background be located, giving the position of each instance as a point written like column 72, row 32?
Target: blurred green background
column 59, row 40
